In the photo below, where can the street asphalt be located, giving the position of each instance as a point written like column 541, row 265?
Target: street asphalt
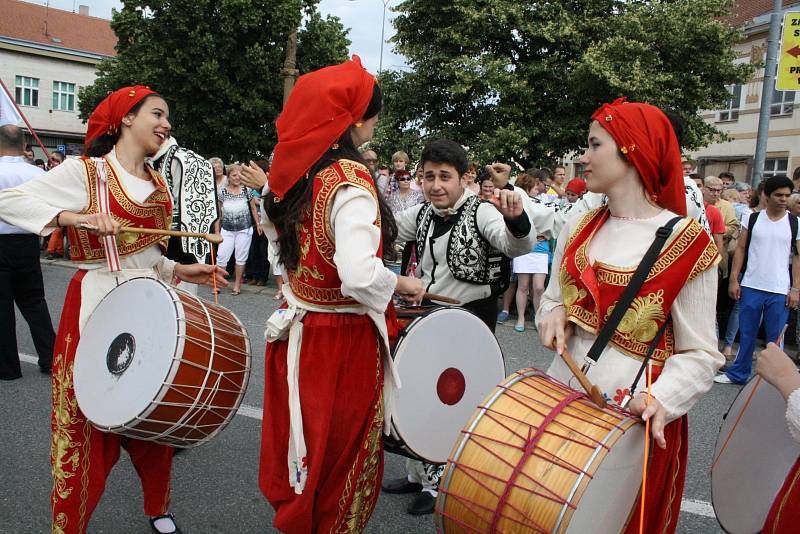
column 215, row 486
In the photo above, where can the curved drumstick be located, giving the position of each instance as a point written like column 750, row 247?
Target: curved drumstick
column 211, row 238
column 441, row 298
column 592, row 390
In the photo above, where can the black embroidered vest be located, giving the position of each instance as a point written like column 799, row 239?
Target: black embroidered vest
column 470, row 257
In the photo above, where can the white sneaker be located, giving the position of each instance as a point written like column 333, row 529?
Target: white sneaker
column 723, row 379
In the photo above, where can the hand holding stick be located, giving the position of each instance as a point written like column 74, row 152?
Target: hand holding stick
column 592, row 390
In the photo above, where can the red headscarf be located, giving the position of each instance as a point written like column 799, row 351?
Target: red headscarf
column 320, row 108
column 107, row 116
column 577, row 186
column 645, row 136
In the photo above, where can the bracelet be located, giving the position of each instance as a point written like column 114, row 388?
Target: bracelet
column 58, row 222
column 794, row 289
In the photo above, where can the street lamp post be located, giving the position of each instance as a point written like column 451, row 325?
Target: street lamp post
column 383, row 31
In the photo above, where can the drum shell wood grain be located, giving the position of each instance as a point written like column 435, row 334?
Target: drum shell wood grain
column 507, row 491
column 231, row 355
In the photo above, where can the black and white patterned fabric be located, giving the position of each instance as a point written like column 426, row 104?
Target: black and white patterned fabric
column 191, row 182
column 470, row 257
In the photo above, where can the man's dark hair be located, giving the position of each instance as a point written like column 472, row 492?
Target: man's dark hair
column 383, row 167
column 544, row 174
column 777, row 182
column 11, row 138
column 726, row 174
column 447, row 152
column 796, row 173
column 559, row 167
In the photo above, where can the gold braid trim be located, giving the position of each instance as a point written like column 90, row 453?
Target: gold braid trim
column 353, row 519
column 331, row 182
column 152, row 207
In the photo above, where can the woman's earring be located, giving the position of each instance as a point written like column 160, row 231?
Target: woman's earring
column 359, row 124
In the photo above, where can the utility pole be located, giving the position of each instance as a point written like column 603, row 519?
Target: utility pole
column 766, row 92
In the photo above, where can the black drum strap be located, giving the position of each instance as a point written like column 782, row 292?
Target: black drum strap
column 648, row 260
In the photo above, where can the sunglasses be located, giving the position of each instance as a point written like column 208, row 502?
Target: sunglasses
column 404, row 179
column 371, row 160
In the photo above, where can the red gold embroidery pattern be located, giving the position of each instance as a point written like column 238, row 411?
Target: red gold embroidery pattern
column 86, row 248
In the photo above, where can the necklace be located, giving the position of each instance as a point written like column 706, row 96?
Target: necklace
column 635, row 218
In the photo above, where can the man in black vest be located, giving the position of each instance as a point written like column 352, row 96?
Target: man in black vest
column 461, row 239
column 462, row 242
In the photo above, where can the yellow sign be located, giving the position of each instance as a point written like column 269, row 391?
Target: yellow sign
column 789, row 61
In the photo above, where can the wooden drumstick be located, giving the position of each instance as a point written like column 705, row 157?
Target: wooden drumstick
column 211, row 238
column 593, row 391
column 441, row 298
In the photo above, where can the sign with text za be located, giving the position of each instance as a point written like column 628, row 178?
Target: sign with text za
column 789, row 61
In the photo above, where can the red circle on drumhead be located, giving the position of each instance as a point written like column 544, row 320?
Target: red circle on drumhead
column 451, row 386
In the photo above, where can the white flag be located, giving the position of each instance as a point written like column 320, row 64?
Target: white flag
column 8, row 111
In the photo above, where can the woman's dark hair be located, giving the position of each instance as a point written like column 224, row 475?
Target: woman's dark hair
column 295, row 205
column 102, row 145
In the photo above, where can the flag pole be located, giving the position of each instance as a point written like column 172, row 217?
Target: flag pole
column 24, row 118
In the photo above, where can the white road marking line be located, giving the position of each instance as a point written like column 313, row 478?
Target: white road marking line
column 689, row 506
column 692, row 506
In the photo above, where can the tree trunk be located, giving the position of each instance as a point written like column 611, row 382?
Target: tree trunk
column 289, row 71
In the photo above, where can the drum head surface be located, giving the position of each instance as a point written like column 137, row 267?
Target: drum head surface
column 607, row 501
column 759, row 455
column 448, row 361
column 126, row 351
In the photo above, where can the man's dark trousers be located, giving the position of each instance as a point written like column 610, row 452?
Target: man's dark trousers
column 21, row 283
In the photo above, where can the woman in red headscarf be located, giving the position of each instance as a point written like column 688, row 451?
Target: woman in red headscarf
column 327, row 350
column 111, row 183
column 633, row 158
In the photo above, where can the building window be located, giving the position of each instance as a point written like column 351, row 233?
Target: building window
column 782, row 103
column 27, row 91
column 64, row 96
column 775, row 166
column 731, row 111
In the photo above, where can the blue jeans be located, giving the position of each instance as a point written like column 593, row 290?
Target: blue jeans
column 752, row 304
column 733, row 324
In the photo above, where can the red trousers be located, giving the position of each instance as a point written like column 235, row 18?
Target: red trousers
column 784, row 516
column 341, row 384
column 81, row 455
column 666, row 474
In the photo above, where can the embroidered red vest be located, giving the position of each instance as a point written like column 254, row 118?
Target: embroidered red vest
column 155, row 212
column 591, row 292
column 315, row 280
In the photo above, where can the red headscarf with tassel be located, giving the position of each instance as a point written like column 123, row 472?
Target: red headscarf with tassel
column 321, row 107
column 107, row 116
column 646, row 138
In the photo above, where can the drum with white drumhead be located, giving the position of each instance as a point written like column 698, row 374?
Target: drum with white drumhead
column 753, row 456
column 448, row 360
column 159, row 364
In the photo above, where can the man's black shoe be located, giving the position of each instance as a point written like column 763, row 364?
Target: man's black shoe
column 401, row 485
column 423, row 504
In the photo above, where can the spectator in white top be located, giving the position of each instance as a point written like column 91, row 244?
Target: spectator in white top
column 762, row 259
column 20, row 273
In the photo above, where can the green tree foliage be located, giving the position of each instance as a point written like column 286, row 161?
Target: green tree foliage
column 519, row 80
column 217, row 63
